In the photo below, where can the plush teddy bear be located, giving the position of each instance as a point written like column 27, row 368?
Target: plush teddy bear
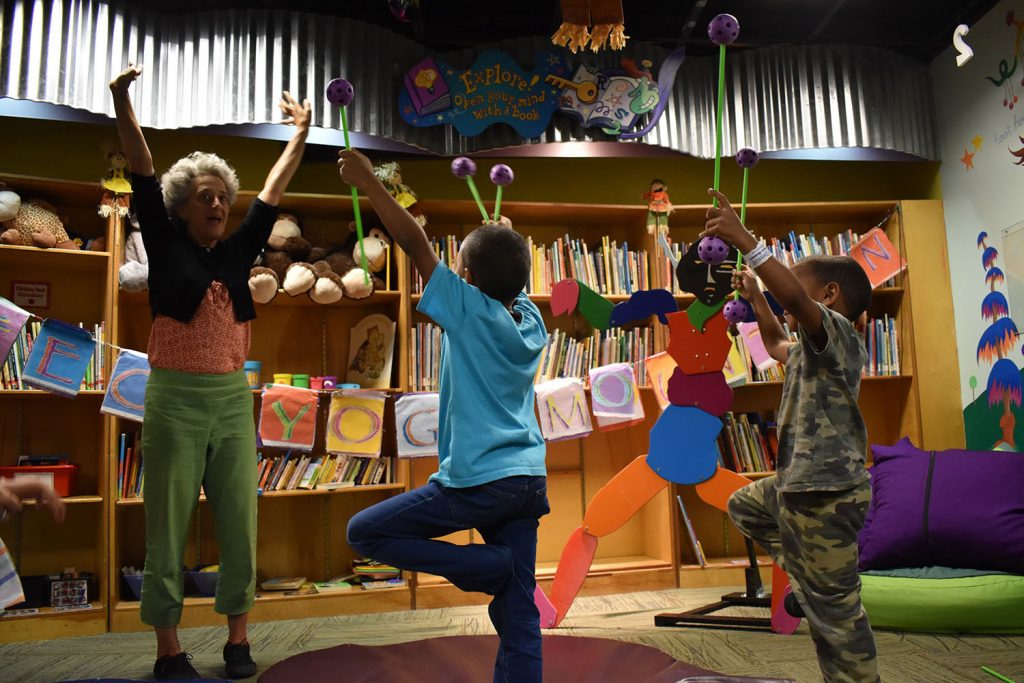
column 284, row 262
column 133, row 276
column 341, row 275
column 34, row 223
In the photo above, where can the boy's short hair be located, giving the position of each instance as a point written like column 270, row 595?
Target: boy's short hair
column 848, row 274
column 499, row 260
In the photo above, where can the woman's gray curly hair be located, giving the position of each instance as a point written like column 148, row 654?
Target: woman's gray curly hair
column 177, row 182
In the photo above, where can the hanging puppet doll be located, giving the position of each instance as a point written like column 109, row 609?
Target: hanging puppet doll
column 659, row 206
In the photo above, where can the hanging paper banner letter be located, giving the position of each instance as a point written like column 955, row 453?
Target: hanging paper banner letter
column 354, row 425
column 12, row 319
column 126, row 393
column 288, row 417
column 416, row 425
column 59, row 358
column 614, row 396
column 878, row 257
column 562, row 406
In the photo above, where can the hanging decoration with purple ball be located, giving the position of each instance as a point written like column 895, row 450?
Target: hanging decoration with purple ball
column 501, row 175
column 341, row 93
column 723, row 30
column 738, row 310
column 465, row 168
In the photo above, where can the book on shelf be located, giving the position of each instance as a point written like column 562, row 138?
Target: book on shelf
column 283, row 583
column 14, row 365
column 336, row 585
column 384, row 583
column 424, row 357
column 131, row 471
column 565, row 356
column 290, row 472
column 698, row 551
column 881, row 340
column 794, row 247
column 747, row 443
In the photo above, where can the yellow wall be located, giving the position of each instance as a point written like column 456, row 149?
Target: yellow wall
column 73, row 151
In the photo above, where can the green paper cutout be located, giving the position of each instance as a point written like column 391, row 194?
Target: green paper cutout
column 698, row 312
column 594, row 308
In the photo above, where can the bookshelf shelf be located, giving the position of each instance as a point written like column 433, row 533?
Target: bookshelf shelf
column 128, row 502
column 283, row 300
column 45, row 260
column 72, row 500
column 42, row 394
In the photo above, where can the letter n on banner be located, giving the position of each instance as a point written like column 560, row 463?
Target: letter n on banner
column 126, row 393
column 355, row 423
column 288, row 417
column 614, row 397
column 562, row 406
column 59, row 358
column 878, row 257
column 416, row 425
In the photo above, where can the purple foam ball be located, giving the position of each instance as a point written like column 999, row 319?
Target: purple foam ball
column 712, row 250
column 724, row 29
column 736, row 311
column 501, row 175
column 463, row 167
column 747, row 157
column 340, row 92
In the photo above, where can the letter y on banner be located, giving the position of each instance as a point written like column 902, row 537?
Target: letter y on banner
column 288, row 417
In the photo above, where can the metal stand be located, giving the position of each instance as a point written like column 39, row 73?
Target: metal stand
column 753, row 597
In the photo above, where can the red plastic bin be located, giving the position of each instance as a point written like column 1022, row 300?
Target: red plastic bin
column 61, row 477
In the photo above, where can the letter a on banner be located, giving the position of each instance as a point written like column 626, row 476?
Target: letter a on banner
column 614, row 396
column 416, row 425
column 355, row 423
column 126, row 393
column 288, row 417
column 59, row 358
column 562, row 406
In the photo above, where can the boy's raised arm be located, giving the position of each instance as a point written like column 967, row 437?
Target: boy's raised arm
column 356, row 170
column 788, row 291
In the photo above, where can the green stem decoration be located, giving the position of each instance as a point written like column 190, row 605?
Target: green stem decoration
column 743, row 218
column 497, row 205
column 355, row 205
column 476, row 196
column 718, row 120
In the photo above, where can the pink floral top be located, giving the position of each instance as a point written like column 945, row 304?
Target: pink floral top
column 212, row 343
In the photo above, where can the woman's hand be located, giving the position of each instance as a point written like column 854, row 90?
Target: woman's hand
column 125, row 78
column 295, row 113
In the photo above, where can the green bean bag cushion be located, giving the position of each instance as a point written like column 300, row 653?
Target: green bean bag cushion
column 942, row 600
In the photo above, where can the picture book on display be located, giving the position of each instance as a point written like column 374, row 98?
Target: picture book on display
column 371, row 349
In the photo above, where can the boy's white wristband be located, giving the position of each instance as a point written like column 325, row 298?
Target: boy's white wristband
column 757, row 256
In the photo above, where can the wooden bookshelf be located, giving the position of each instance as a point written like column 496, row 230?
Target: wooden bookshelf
column 39, row 422
column 302, row 532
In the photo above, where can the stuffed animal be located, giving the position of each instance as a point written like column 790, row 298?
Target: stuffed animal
column 283, row 264
column 349, row 280
column 10, row 202
column 133, row 276
column 35, row 223
column 390, row 174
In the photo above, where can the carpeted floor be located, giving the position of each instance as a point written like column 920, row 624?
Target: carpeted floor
column 904, row 658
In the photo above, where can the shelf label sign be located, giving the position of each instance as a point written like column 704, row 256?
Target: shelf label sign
column 32, row 294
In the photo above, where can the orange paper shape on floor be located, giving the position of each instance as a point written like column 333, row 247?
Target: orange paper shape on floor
column 716, row 490
column 621, row 497
column 573, row 565
column 697, row 352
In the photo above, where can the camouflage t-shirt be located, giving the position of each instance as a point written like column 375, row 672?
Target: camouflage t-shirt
column 822, row 437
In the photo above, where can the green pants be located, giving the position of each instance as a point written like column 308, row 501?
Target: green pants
column 813, row 537
column 198, row 430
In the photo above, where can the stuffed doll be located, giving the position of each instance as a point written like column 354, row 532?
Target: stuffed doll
column 659, row 206
column 390, row 174
column 116, row 187
column 35, row 223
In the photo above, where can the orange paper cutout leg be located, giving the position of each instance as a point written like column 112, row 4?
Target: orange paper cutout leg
column 782, row 621
column 573, row 565
column 716, row 490
column 621, row 497
column 548, row 613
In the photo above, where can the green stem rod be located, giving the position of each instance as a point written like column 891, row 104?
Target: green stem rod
column 718, row 120
column 476, row 196
column 497, row 205
column 743, row 218
column 998, row 675
column 355, row 205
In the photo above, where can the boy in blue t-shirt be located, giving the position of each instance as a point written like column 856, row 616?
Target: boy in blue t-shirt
column 491, row 474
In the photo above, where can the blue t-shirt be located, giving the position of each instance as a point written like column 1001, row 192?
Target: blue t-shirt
column 487, row 428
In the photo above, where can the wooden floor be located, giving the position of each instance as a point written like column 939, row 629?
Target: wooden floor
column 904, row 658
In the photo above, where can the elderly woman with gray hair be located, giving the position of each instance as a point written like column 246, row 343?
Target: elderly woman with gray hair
column 199, row 427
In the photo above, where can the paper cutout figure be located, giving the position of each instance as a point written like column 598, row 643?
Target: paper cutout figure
column 708, row 283
column 878, row 257
column 548, row 612
column 562, row 407
column 416, row 425
column 355, row 422
column 126, row 392
column 698, row 312
column 695, row 352
column 371, row 348
column 59, row 358
column 735, row 369
column 722, row 484
column 755, row 346
column 683, row 445
column 573, row 565
column 708, row 391
column 288, row 417
column 12, row 319
column 572, row 295
column 618, row 500
column 614, row 397
column 660, row 367
column 642, row 305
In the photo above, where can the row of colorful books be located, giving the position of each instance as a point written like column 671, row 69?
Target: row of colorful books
column 747, row 443
column 881, row 341
column 565, row 356
column 424, row 357
column 12, row 370
column 795, row 247
column 131, row 471
column 307, row 471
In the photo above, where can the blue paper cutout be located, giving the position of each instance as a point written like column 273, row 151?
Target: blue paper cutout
column 683, row 446
column 644, row 304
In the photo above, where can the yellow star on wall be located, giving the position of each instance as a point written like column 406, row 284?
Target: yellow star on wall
column 977, row 142
column 968, row 159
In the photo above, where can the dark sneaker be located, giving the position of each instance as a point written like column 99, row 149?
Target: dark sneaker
column 175, row 668
column 792, row 606
column 237, row 662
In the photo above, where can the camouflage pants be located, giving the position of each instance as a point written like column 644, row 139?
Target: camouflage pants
column 813, row 537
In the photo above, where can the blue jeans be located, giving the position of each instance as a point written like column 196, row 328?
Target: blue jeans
column 506, row 512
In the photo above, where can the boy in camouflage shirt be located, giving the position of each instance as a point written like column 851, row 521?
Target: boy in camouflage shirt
column 808, row 515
